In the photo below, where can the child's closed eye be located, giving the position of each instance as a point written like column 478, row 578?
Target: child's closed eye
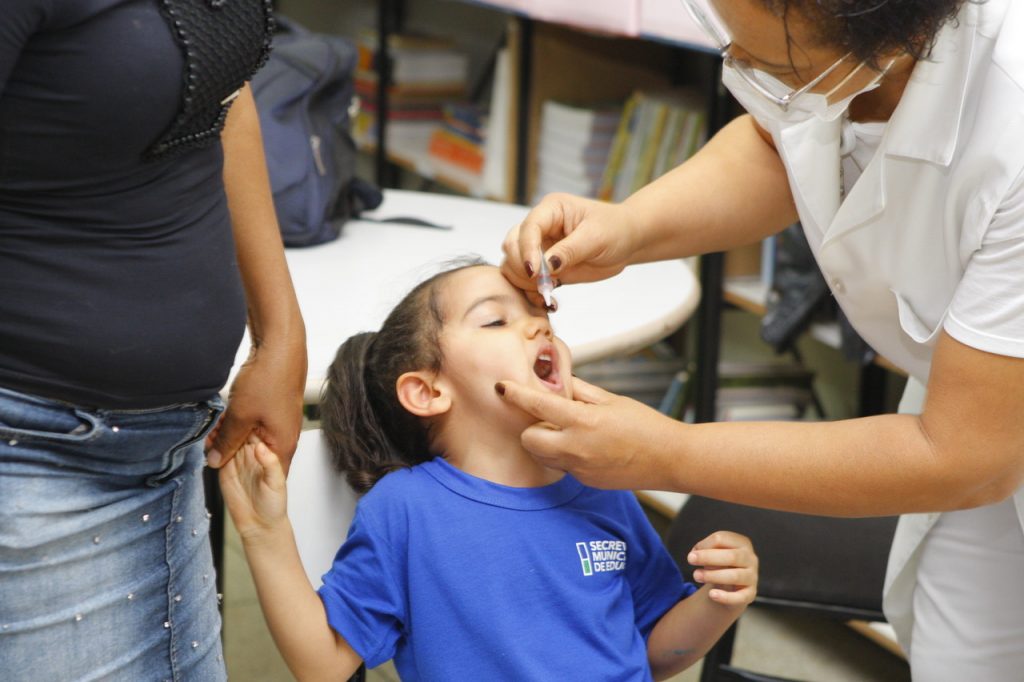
column 500, row 322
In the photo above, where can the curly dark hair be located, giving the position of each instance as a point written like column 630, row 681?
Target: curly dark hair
column 368, row 432
column 870, row 29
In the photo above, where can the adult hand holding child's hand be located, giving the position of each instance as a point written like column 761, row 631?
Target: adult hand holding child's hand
column 254, row 489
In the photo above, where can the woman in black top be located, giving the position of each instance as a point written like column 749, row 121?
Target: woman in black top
column 137, row 235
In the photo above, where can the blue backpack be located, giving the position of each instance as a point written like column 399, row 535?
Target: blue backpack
column 305, row 96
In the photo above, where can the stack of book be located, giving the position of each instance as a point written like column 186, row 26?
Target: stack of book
column 426, row 74
column 573, row 148
column 460, row 138
column 657, row 132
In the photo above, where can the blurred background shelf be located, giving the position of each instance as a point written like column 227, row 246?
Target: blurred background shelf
column 750, row 293
column 408, row 144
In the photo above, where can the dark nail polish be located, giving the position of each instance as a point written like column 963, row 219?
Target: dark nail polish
column 500, row 388
column 555, row 262
column 529, row 269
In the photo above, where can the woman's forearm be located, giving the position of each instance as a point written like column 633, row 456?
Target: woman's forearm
column 273, row 307
column 872, row 466
column 733, row 192
column 963, row 450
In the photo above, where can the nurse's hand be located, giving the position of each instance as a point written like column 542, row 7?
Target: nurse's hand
column 604, row 440
column 584, row 240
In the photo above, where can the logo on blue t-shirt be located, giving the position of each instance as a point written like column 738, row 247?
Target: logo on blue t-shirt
column 601, row 556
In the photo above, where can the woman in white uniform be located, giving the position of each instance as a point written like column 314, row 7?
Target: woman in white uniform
column 894, row 131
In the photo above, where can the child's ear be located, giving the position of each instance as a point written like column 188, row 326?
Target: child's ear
column 419, row 394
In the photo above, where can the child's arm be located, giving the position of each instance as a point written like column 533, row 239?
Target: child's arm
column 253, row 484
column 691, row 627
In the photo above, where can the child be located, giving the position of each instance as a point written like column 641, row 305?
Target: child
column 467, row 559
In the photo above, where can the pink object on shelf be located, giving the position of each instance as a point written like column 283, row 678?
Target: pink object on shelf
column 664, row 19
column 620, row 17
column 523, row 6
column 668, row 19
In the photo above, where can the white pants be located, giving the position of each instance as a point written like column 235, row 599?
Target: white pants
column 969, row 599
column 954, row 590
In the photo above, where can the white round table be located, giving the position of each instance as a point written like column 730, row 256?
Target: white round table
column 349, row 285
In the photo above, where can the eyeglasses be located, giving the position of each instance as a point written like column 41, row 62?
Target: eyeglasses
column 771, row 88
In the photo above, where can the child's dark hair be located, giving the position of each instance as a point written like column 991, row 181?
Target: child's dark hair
column 368, row 431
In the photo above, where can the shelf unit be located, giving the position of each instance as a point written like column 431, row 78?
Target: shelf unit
column 406, row 147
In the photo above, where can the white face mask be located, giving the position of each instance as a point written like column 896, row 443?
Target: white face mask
column 803, row 107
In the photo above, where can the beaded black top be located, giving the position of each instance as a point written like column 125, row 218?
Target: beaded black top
column 119, row 283
column 224, row 43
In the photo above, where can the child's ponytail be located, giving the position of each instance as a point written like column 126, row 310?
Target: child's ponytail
column 356, row 435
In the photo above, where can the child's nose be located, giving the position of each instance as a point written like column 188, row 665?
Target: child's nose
column 539, row 326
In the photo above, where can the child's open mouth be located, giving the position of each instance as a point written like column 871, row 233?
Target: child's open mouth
column 546, row 368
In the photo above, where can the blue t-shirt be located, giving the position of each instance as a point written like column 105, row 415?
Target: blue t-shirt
column 459, row 578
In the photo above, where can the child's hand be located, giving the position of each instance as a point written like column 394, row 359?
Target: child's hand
column 253, row 484
column 727, row 562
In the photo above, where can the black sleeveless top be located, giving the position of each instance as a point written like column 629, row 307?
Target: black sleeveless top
column 118, row 281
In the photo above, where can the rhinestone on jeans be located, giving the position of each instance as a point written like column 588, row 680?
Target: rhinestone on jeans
column 179, row 519
column 78, row 617
column 145, row 518
column 167, row 624
column 194, row 532
column 96, row 540
column 12, row 442
column 195, row 644
column 115, row 429
column 131, row 596
column 177, row 598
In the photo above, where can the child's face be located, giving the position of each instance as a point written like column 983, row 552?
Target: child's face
column 492, row 332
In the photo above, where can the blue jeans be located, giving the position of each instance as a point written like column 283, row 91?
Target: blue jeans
column 106, row 571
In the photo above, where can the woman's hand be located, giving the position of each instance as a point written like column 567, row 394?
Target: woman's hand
column 604, row 440
column 265, row 400
column 728, row 564
column 254, row 489
column 584, row 240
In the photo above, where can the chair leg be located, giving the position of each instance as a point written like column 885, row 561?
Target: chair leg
column 719, row 655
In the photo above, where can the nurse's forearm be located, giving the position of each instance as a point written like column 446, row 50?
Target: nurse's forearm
column 733, row 192
column 872, row 466
column 963, row 450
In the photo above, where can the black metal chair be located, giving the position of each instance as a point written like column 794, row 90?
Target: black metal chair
column 833, row 567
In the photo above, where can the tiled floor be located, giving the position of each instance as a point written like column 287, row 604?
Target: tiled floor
column 798, row 647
